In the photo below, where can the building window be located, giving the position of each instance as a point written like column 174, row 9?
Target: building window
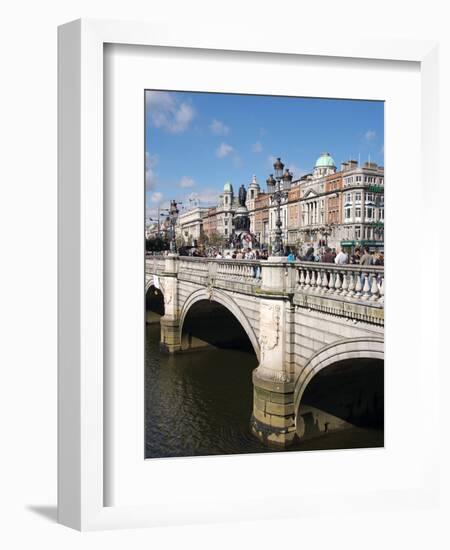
column 369, row 197
column 369, row 212
column 357, row 212
column 358, row 233
column 226, row 231
column 358, row 178
column 357, row 196
column 348, row 213
column 348, row 197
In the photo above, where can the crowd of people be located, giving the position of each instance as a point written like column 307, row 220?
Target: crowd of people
column 242, row 254
column 359, row 256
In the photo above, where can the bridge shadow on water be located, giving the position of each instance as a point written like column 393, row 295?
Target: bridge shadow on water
column 210, row 323
column 348, row 395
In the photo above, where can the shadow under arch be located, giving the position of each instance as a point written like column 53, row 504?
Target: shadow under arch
column 229, row 304
column 335, row 354
column 154, row 299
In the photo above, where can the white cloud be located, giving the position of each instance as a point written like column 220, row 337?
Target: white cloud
column 296, row 171
column 156, row 196
column 167, row 112
column 257, row 147
column 205, row 197
column 219, row 128
column 224, row 150
column 270, row 160
column 186, row 182
column 237, row 161
column 370, row 135
column 150, row 177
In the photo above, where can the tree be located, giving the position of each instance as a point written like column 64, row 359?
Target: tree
column 156, row 244
column 215, row 239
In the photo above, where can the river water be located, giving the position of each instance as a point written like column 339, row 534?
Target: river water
column 200, row 403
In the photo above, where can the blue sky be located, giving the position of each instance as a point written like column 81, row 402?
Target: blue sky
column 195, row 142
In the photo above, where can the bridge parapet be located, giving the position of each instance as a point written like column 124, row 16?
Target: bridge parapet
column 154, row 265
column 235, row 275
column 349, row 282
column 352, row 291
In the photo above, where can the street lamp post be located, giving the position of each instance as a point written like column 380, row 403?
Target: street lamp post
column 173, row 216
column 278, row 195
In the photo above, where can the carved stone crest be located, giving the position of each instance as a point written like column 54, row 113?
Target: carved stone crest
column 269, row 326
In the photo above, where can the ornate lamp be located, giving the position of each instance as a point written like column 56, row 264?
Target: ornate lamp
column 287, row 179
column 271, row 182
column 278, row 196
column 278, row 168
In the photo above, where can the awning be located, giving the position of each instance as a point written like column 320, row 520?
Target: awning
column 363, row 243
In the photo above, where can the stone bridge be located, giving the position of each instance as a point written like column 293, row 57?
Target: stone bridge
column 301, row 319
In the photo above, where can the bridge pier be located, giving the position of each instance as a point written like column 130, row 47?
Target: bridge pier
column 273, row 419
column 170, row 323
column 170, row 335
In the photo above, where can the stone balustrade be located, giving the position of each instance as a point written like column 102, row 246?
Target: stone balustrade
column 353, row 283
column 241, row 271
column 193, row 269
column 348, row 282
column 154, row 265
column 223, row 273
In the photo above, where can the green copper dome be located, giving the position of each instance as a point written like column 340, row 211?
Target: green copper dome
column 325, row 161
column 228, row 188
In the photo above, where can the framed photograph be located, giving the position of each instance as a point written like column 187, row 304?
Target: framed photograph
column 235, row 337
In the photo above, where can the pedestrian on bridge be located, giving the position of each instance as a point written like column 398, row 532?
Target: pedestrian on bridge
column 328, row 256
column 341, row 258
column 309, row 256
column 366, row 258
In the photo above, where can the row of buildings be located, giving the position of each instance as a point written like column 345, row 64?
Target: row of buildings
column 337, row 207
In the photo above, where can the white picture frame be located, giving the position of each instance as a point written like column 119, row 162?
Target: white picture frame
column 82, row 484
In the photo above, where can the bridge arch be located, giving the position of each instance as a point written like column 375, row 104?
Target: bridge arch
column 337, row 352
column 149, row 281
column 154, row 298
column 227, row 302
